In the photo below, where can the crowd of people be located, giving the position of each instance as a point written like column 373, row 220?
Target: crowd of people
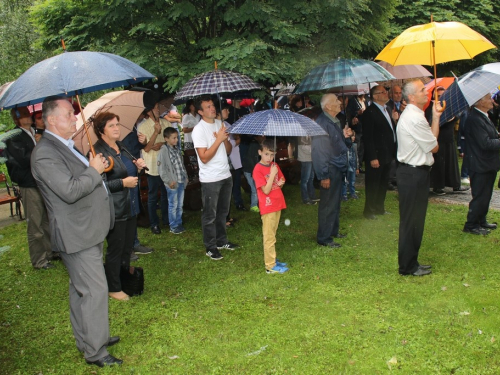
column 74, row 202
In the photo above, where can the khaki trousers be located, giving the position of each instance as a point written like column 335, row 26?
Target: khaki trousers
column 270, row 224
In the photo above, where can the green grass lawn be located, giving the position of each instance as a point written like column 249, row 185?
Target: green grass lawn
column 341, row 311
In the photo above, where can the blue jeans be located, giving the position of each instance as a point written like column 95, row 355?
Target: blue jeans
column 175, row 202
column 254, row 202
column 155, row 183
column 348, row 182
column 216, row 198
column 307, row 181
column 238, row 199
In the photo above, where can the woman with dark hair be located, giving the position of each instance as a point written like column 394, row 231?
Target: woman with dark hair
column 121, row 238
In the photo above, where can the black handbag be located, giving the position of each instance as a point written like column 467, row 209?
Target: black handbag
column 132, row 280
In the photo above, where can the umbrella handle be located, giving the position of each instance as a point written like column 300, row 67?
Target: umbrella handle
column 111, row 164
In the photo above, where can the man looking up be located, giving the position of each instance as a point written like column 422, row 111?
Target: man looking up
column 212, row 145
column 329, row 158
column 416, row 144
column 80, row 215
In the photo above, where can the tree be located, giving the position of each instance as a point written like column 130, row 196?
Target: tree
column 271, row 41
column 480, row 15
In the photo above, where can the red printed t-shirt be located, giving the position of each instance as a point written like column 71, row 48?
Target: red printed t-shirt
column 274, row 201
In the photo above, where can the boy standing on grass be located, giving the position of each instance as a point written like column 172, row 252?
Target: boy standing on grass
column 174, row 176
column 268, row 181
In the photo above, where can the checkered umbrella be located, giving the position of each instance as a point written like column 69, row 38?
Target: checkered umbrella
column 276, row 122
column 216, row 82
column 469, row 88
column 342, row 72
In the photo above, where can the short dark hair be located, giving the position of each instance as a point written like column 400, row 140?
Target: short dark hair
column 99, row 122
column 49, row 105
column 201, row 99
column 269, row 144
column 167, row 132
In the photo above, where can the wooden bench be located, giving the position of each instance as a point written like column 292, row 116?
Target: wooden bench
column 10, row 195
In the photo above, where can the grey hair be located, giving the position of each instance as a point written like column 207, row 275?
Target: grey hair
column 325, row 99
column 409, row 88
column 49, row 106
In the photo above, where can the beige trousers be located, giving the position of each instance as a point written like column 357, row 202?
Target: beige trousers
column 270, row 223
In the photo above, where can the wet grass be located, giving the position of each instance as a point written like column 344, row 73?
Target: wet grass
column 342, row 311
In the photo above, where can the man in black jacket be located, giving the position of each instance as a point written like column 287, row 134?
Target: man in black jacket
column 18, row 152
column 379, row 136
column 483, row 161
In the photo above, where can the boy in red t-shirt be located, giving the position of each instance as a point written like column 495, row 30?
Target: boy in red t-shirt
column 268, row 181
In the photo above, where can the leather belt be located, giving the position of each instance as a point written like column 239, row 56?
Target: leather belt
column 424, row 167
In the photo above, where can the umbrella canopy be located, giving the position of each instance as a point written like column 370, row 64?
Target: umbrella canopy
column 405, row 71
column 216, row 82
column 469, row 88
column 362, row 88
column 342, row 72
column 72, row 73
column 444, row 82
column 452, row 40
column 128, row 105
column 285, row 91
column 4, row 88
column 276, row 122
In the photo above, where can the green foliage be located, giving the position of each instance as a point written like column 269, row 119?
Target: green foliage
column 342, row 311
column 271, row 42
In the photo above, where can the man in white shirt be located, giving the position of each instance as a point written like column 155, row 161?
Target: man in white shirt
column 212, row 145
column 416, row 144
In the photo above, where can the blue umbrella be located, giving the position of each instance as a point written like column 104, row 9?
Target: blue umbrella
column 468, row 89
column 72, row 73
column 276, row 122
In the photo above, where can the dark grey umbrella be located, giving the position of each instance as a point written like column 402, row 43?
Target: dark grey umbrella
column 72, row 73
column 216, row 82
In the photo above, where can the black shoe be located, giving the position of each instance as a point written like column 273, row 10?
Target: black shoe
column 479, row 231
column 330, row 244
column 113, row 340
column 391, row 187
column 48, row 266
column 487, row 225
column 156, row 229
column 56, row 256
column 370, row 217
column 461, row 189
column 421, row 272
column 106, row 361
column 438, row 192
column 228, row 246
column 340, row 235
column 241, row 208
column 214, row 254
column 425, row 266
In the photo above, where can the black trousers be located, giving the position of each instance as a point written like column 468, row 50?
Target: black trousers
column 413, row 187
column 482, row 188
column 120, row 244
column 376, row 182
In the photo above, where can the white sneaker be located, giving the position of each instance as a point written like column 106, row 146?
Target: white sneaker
column 465, row 180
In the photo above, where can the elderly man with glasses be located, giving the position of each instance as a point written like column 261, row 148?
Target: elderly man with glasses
column 379, row 135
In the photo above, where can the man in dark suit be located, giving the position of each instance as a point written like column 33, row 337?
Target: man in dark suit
column 80, row 216
column 18, row 152
column 483, row 161
column 379, row 135
column 329, row 158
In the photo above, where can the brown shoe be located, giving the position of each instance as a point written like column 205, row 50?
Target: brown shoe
column 120, row 296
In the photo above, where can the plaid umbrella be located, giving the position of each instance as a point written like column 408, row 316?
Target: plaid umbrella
column 216, row 82
column 469, row 88
column 342, row 72
column 276, row 122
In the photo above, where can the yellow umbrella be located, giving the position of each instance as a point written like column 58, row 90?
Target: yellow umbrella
column 434, row 43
